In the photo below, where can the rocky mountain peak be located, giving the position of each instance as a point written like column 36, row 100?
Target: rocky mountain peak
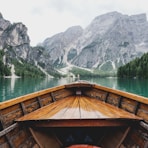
column 56, row 46
column 17, row 35
column 139, row 18
column 14, row 39
column 109, row 41
column 1, row 16
column 108, row 15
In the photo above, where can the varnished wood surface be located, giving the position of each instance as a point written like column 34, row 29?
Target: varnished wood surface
column 78, row 107
column 79, row 84
column 123, row 94
column 20, row 99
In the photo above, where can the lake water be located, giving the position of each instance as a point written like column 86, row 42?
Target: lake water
column 11, row 88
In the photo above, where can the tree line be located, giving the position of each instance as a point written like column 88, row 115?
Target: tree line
column 22, row 69
column 4, row 69
column 138, row 68
column 25, row 69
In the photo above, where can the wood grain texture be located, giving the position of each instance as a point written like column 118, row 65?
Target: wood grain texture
column 28, row 97
column 78, row 107
column 124, row 94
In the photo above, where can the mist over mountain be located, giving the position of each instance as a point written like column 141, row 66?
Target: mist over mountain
column 109, row 41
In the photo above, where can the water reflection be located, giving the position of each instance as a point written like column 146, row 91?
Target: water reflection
column 11, row 88
column 134, row 86
column 109, row 82
column 12, row 81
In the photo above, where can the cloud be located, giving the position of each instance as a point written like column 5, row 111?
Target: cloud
column 44, row 18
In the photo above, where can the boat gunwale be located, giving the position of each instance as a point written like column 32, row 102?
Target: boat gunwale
column 125, row 94
column 20, row 101
column 29, row 96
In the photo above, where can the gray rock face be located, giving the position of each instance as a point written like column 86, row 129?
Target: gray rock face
column 56, row 46
column 14, row 37
column 110, row 41
column 15, row 48
column 4, row 25
column 114, row 39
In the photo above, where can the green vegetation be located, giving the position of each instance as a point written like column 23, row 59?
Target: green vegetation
column 81, row 72
column 4, row 69
column 102, row 73
column 25, row 69
column 94, row 73
column 107, row 67
column 55, row 73
column 136, row 68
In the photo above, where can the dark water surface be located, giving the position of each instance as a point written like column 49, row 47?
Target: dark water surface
column 15, row 87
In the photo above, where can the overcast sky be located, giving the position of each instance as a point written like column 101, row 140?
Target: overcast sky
column 44, row 18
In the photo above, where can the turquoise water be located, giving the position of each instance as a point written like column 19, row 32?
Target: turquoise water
column 11, row 88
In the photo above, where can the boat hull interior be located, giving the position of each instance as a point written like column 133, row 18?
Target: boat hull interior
column 75, row 115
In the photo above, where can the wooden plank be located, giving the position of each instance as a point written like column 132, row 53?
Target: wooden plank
column 144, row 125
column 136, row 108
column 23, row 108
column 128, row 105
column 10, row 109
column 46, row 101
column 119, row 102
column 52, row 97
column 124, row 94
column 123, row 137
column 90, row 108
column 9, row 142
column 35, row 137
column 45, row 140
column 57, row 108
column 32, row 107
column 76, row 108
column 8, row 119
column 87, row 111
column 61, row 111
column 109, row 111
column 8, row 129
column 71, row 110
column 106, row 97
column 47, row 111
column 19, row 138
column 80, row 123
column 78, row 85
column 39, row 101
column 63, row 93
column 95, row 93
column 28, row 97
column 113, row 99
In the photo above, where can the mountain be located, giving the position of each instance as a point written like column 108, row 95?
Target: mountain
column 14, row 50
column 56, row 47
column 111, row 40
column 14, row 36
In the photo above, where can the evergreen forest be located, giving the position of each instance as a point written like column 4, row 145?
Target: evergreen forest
column 137, row 68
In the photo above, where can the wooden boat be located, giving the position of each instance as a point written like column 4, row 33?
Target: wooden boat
column 76, row 115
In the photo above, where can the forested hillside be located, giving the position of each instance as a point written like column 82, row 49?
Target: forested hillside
column 136, row 68
column 4, row 69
